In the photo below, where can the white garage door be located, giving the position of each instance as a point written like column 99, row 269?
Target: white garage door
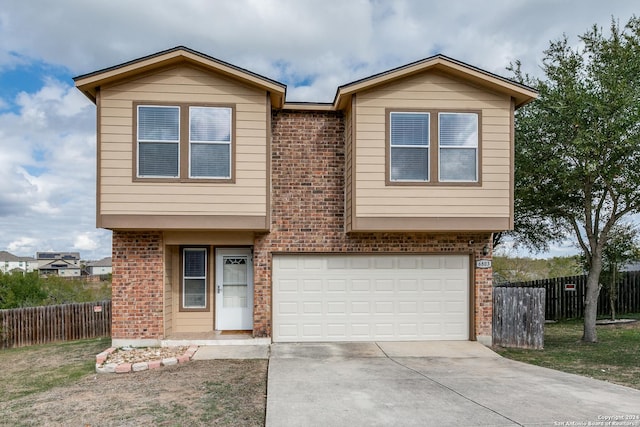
column 370, row 297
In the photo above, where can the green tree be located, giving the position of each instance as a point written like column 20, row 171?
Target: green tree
column 21, row 290
column 578, row 146
column 622, row 248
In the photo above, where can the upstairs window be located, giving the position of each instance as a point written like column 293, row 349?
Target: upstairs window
column 210, row 142
column 409, row 146
column 158, row 141
column 184, row 142
column 432, row 147
column 458, row 142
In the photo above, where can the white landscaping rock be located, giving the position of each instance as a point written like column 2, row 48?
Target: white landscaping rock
column 170, row 361
column 140, row 366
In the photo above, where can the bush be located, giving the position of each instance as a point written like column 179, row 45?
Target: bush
column 29, row 290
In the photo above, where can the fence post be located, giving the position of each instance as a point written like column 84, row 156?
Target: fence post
column 518, row 317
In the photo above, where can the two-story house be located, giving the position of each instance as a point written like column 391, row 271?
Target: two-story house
column 10, row 263
column 101, row 267
column 63, row 264
column 368, row 218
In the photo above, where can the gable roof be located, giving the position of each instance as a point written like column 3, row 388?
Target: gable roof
column 58, row 264
column 521, row 93
column 104, row 262
column 89, row 83
column 9, row 257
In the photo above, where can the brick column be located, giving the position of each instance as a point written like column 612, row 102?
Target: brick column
column 137, row 288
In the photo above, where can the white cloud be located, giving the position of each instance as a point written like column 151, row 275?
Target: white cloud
column 88, row 241
column 23, row 245
column 47, row 136
column 288, row 38
column 47, row 162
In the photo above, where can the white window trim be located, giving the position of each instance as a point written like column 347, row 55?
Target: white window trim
column 392, row 146
column 228, row 143
column 185, row 277
column 139, row 140
column 454, row 147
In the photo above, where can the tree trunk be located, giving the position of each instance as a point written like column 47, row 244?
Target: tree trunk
column 591, row 302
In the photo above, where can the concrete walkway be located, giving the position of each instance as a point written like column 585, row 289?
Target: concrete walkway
column 232, row 352
column 432, row 384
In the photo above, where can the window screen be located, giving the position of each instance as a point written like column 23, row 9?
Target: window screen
column 158, row 141
column 210, row 142
column 194, row 284
column 458, row 144
column 409, row 145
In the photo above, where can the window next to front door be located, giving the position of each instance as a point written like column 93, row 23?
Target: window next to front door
column 194, row 282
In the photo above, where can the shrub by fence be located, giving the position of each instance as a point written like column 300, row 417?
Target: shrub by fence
column 39, row 325
column 518, row 317
column 565, row 295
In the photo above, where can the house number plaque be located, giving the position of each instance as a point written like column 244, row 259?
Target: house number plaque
column 483, row 263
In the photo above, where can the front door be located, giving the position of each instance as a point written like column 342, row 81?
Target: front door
column 234, row 289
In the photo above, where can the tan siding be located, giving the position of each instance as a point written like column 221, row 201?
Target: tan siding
column 170, row 267
column 432, row 91
column 120, row 195
column 348, row 169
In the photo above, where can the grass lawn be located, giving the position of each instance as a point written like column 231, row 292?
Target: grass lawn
column 56, row 385
column 614, row 358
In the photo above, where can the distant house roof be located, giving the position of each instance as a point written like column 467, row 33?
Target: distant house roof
column 58, row 264
column 9, row 257
column 58, row 255
column 104, row 262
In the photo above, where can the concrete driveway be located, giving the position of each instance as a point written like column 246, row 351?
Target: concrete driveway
column 432, row 384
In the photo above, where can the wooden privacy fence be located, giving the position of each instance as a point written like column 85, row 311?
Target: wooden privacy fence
column 518, row 317
column 565, row 295
column 39, row 325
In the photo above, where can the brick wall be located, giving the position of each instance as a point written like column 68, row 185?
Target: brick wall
column 137, row 295
column 308, row 212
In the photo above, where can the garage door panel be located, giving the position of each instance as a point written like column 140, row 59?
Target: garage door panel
column 360, row 307
column 383, row 263
column 431, row 285
column 370, row 297
column 408, row 307
column 384, row 285
column 337, row 307
column 431, row 263
column 337, row 285
column 311, row 285
column 361, row 285
column 287, row 286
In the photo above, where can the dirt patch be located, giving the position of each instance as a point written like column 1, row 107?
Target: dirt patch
column 56, row 385
column 211, row 392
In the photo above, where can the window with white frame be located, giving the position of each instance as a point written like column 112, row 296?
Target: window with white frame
column 184, row 142
column 433, row 147
column 194, row 279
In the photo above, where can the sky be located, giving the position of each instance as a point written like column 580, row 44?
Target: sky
column 47, row 127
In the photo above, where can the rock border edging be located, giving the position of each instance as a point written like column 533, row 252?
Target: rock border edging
column 124, row 368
